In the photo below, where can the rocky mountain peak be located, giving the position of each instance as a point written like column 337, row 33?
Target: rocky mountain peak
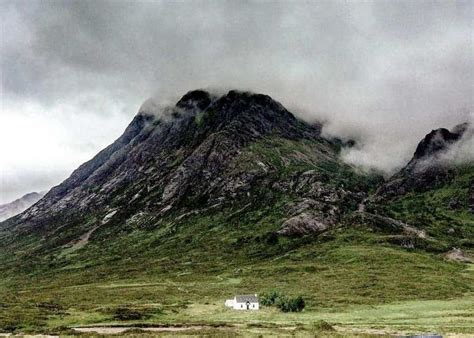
column 195, row 99
column 439, row 140
column 217, row 110
column 460, row 129
column 251, row 115
column 428, row 168
column 172, row 152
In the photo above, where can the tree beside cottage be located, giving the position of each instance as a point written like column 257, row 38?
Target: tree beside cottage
column 243, row 302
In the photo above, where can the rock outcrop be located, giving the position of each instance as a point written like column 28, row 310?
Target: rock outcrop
column 303, row 224
column 458, row 255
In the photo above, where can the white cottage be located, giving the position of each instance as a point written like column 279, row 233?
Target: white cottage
column 243, row 302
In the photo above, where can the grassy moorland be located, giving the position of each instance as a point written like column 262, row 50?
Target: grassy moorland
column 351, row 280
column 443, row 212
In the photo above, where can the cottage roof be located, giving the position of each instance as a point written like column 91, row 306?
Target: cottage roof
column 246, row 298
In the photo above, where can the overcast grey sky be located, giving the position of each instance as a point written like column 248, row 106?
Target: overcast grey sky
column 73, row 73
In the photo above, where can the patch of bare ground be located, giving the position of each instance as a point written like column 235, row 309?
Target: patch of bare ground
column 458, row 255
column 122, row 329
column 395, row 333
column 84, row 239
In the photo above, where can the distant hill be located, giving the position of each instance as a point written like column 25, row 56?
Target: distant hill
column 19, row 205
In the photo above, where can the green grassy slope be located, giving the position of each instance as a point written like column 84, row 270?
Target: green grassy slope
column 443, row 212
column 334, row 276
column 180, row 269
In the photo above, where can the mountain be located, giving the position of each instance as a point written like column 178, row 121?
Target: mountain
column 19, row 205
column 205, row 152
column 228, row 194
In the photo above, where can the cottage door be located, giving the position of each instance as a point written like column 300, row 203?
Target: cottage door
column 248, row 305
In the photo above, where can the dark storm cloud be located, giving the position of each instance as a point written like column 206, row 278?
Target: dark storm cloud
column 384, row 73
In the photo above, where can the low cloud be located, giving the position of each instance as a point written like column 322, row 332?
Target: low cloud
column 389, row 152
column 382, row 73
column 463, row 151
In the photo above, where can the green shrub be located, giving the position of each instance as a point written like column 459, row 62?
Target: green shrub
column 10, row 326
column 270, row 298
column 287, row 304
column 123, row 313
column 133, row 313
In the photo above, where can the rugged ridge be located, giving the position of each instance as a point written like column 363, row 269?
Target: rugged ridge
column 206, row 151
column 230, row 157
column 427, row 168
column 438, row 141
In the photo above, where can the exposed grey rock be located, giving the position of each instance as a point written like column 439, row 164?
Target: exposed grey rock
column 458, row 255
column 386, row 224
column 109, row 216
column 303, row 224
